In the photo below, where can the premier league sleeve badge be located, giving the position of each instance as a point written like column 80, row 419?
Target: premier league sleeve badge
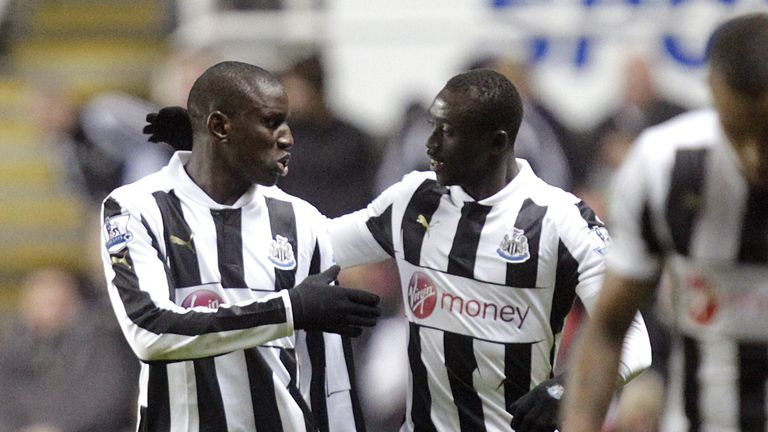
column 117, row 234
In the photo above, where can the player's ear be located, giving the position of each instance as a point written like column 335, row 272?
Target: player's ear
column 218, row 124
column 500, row 142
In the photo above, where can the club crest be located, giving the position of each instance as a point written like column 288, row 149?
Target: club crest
column 281, row 253
column 514, row 247
column 118, row 236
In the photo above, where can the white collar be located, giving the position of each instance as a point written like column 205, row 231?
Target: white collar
column 524, row 179
column 184, row 185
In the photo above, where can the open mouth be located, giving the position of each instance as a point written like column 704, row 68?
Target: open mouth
column 283, row 162
column 436, row 165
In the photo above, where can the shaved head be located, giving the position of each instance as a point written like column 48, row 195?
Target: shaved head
column 226, row 87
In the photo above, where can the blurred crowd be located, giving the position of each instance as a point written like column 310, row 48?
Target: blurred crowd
column 64, row 366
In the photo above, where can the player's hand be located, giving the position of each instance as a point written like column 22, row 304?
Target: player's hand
column 318, row 305
column 170, row 125
column 537, row 410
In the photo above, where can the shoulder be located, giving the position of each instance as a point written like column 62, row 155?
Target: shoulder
column 693, row 130
column 301, row 207
column 412, row 182
column 416, row 178
column 141, row 190
column 564, row 209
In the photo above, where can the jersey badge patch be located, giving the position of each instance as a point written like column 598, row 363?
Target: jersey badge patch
column 600, row 239
column 118, row 236
column 281, row 253
column 514, row 247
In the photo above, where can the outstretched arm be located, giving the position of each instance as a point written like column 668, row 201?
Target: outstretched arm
column 595, row 364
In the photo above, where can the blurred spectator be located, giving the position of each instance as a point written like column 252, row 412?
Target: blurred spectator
column 250, row 4
column 642, row 106
column 537, row 141
column 99, row 145
column 405, row 151
column 332, row 161
column 65, row 367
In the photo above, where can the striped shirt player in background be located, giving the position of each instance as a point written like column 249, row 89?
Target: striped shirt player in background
column 692, row 200
column 490, row 259
column 201, row 260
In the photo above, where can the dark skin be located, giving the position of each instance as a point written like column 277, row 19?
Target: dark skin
column 479, row 162
column 231, row 153
column 482, row 163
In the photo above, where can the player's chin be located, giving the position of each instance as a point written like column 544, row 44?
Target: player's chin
column 268, row 181
column 443, row 179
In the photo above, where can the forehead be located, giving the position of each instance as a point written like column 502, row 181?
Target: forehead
column 269, row 97
column 448, row 106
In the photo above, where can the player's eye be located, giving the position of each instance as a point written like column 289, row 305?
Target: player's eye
column 274, row 122
column 446, row 129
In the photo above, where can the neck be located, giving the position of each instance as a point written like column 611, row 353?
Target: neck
column 209, row 172
column 489, row 185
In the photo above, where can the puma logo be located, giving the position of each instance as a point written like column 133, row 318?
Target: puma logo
column 422, row 220
column 185, row 243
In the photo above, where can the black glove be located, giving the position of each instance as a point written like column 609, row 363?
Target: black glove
column 537, row 410
column 170, row 125
column 317, row 305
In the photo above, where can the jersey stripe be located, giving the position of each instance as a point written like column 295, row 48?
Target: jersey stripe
column 461, row 364
column 282, row 221
column 685, row 196
column 461, row 260
column 265, row 409
column 691, row 391
column 524, row 275
column 421, row 399
column 288, row 358
column 179, row 240
column 419, row 211
column 229, row 245
column 316, row 352
column 157, row 416
column 566, row 280
column 752, row 358
column 316, row 348
column 381, row 229
column 647, row 232
column 210, row 405
column 357, row 410
column 156, row 246
column 517, row 372
column 589, row 215
column 754, row 229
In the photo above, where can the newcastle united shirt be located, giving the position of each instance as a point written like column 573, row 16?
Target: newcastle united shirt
column 199, row 290
column 696, row 218
column 486, row 285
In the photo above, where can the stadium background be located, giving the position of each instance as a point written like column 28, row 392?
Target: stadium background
column 59, row 56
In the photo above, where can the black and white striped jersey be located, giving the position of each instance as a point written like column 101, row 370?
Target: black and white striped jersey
column 486, row 285
column 199, row 290
column 682, row 202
